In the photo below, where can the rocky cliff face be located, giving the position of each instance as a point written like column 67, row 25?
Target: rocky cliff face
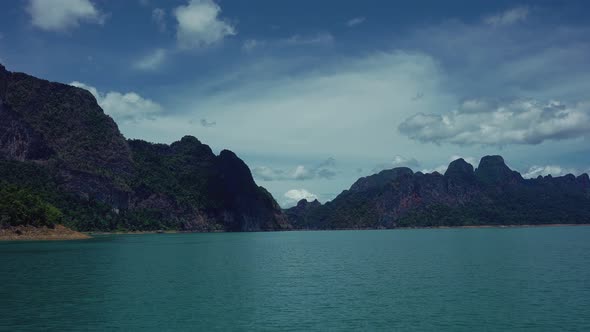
column 18, row 140
column 61, row 125
column 186, row 181
column 104, row 181
column 493, row 171
column 253, row 207
column 492, row 194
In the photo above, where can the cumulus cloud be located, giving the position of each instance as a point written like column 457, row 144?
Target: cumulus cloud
column 123, row 106
column 508, row 17
column 152, row 61
column 265, row 173
column 301, row 173
column 59, row 15
column 295, row 195
column 398, row 161
column 324, row 170
column 502, row 123
column 553, row 170
column 199, row 24
column 355, row 21
column 159, row 17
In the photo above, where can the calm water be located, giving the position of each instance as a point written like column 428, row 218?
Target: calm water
column 445, row 279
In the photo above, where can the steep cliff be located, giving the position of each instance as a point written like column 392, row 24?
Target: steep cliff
column 186, row 181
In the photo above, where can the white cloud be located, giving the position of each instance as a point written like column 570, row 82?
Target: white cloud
column 355, row 21
column 553, row 170
column 268, row 174
column 123, row 106
column 152, row 61
column 302, row 173
column 159, row 17
column 324, row 170
column 59, row 15
column 90, row 89
column 398, row 161
column 513, row 122
column 508, row 17
column 199, row 24
column 295, row 195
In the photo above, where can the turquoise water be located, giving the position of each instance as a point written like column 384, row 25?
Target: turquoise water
column 427, row 279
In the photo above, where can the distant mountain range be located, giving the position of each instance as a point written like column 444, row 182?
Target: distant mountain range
column 62, row 160
column 492, row 194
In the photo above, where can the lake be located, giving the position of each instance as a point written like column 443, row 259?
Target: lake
column 422, row 279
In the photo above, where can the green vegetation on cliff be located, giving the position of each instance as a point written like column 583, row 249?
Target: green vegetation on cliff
column 20, row 206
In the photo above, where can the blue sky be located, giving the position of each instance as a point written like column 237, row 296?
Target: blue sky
column 314, row 94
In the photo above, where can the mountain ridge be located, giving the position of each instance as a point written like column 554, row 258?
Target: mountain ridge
column 491, row 194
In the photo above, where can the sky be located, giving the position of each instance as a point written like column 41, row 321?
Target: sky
column 313, row 95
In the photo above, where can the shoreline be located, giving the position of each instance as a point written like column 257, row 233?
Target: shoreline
column 30, row 233
column 62, row 233
column 335, row 229
column 136, row 232
column 493, row 226
column 446, row 227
